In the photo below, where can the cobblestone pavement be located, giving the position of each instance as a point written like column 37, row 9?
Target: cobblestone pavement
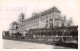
column 10, row 44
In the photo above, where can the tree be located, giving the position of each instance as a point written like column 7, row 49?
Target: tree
column 64, row 20
column 69, row 23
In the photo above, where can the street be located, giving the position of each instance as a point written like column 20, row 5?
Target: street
column 10, row 44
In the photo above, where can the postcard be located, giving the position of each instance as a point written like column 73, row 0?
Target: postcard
column 39, row 24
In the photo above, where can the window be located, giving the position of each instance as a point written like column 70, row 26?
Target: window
column 57, row 24
column 51, row 19
column 16, row 27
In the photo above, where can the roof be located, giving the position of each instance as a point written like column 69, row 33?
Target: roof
column 14, row 23
column 53, row 9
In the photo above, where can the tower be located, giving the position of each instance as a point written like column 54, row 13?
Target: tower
column 21, row 22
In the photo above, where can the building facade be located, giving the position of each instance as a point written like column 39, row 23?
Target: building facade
column 13, row 28
column 50, row 18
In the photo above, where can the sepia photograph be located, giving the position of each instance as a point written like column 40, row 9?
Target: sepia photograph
column 39, row 24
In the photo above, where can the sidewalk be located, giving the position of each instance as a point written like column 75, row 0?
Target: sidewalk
column 10, row 44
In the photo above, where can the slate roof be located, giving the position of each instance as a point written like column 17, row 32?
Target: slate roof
column 53, row 9
column 14, row 23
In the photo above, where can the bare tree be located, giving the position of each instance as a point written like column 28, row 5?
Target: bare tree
column 69, row 23
column 63, row 21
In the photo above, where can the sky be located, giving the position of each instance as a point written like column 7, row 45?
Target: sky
column 11, row 9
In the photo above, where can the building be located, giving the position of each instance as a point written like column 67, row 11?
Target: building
column 14, row 28
column 50, row 18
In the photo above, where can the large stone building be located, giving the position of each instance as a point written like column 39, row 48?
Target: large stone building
column 50, row 18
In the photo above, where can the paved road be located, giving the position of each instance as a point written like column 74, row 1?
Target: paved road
column 10, row 44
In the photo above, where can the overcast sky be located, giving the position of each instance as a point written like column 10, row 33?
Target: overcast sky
column 11, row 9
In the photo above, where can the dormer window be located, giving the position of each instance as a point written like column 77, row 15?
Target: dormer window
column 22, row 17
column 51, row 19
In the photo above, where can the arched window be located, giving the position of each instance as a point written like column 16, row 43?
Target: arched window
column 16, row 27
column 51, row 23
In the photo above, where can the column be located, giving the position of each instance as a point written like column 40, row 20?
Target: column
column 53, row 23
column 48, row 23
